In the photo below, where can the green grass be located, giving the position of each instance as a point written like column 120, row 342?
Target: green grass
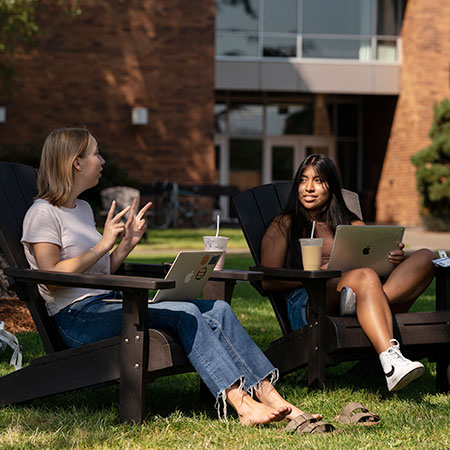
column 177, row 418
column 184, row 239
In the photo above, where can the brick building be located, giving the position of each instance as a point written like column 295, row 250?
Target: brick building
column 95, row 68
column 239, row 92
column 424, row 82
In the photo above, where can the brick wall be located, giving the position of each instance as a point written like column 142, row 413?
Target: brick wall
column 377, row 114
column 93, row 69
column 425, row 80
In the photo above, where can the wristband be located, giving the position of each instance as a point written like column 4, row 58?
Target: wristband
column 95, row 252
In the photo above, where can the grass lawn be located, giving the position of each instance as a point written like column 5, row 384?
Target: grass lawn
column 416, row 417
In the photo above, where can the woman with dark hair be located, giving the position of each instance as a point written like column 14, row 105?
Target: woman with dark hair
column 316, row 196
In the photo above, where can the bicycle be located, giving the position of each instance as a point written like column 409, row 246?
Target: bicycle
column 176, row 207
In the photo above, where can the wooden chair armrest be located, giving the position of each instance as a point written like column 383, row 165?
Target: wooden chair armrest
column 287, row 274
column 87, row 280
column 142, row 270
column 236, row 275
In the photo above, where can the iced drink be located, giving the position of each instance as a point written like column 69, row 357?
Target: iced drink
column 311, row 253
column 216, row 243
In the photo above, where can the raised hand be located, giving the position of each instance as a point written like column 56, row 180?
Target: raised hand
column 113, row 226
column 135, row 226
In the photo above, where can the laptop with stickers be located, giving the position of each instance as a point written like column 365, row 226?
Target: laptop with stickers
column 190, row 270
column 365, row 246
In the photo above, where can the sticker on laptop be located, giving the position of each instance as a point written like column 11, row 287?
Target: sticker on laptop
column 214, row 259
column 201, row 273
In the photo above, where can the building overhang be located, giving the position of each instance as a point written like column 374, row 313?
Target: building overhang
column 313, row 76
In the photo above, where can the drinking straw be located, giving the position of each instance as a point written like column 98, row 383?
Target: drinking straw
column 312, row 231
column 217, row 224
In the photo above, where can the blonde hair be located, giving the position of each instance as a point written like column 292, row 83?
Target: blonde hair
column 61, row 148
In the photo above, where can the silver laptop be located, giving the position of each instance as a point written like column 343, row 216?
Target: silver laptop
column 190, row 270
column 365, row 246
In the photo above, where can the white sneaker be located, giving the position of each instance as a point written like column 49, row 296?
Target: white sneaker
column 348, row 302
column 399, row 371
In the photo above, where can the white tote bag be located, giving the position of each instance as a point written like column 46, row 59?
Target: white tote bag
column 7, row 338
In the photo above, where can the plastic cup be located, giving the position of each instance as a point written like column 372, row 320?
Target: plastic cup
column 311, row 253
column 216, row 243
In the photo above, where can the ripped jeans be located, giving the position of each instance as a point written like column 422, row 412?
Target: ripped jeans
column 215, row 342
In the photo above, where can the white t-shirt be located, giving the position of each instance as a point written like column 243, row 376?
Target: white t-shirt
column 71, row 229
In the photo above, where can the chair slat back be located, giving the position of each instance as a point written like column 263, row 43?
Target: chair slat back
column 283, row 189
column 352, row 201
column 251, row 207
column 18, row 187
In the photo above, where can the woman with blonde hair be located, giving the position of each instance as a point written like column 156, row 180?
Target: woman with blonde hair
column 59, row 234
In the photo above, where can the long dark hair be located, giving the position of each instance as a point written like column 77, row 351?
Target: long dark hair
column 335, row 212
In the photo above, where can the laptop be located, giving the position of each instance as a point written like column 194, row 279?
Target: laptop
column 365, row 246
column 190, row 270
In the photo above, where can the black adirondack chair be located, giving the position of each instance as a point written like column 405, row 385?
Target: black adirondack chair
column 329, row 340
column 133, row 359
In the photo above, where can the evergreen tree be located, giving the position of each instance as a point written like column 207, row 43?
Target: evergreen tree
column 433, row 171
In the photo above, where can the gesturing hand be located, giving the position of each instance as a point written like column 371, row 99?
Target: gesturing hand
column 136, row 225
column 113, row 226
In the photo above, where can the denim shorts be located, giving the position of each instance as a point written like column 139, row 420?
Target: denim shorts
column 296, row 307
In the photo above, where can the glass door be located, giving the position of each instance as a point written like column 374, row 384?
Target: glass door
column 319, row 144
column 283, row 154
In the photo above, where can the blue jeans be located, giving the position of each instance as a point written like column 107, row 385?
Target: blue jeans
column 296, row 307
column 215, row 342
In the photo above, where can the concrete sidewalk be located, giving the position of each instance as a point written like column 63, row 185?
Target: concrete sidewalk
column 416, row 238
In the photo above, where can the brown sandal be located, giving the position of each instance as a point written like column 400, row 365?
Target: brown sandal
column 364, row 417
column 307, row 423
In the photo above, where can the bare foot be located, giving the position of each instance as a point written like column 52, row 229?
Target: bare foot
column 253, row 413
column 269, row 396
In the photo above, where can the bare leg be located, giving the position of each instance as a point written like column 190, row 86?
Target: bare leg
column 251, row 412
column 409, row 279
column 268, row 395
column 372, row 307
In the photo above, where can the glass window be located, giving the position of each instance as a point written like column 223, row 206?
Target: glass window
column 347, row 124
column 236, row 44
column 220, row 118
column 289, row 119
column 387, row 50
column 282, row 162
column 280, row 16
column 347, row 156
column 217, row 150
column 337, row 17
column 280, row 47
column 337, row 48
column 232, row 15
column 388, row 15
column 245, row 162
column 245, row 120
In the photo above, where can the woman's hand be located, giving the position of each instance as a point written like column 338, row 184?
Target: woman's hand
column 396, row 256
column 135, row 226
column 132, row 233
column 113, row 227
